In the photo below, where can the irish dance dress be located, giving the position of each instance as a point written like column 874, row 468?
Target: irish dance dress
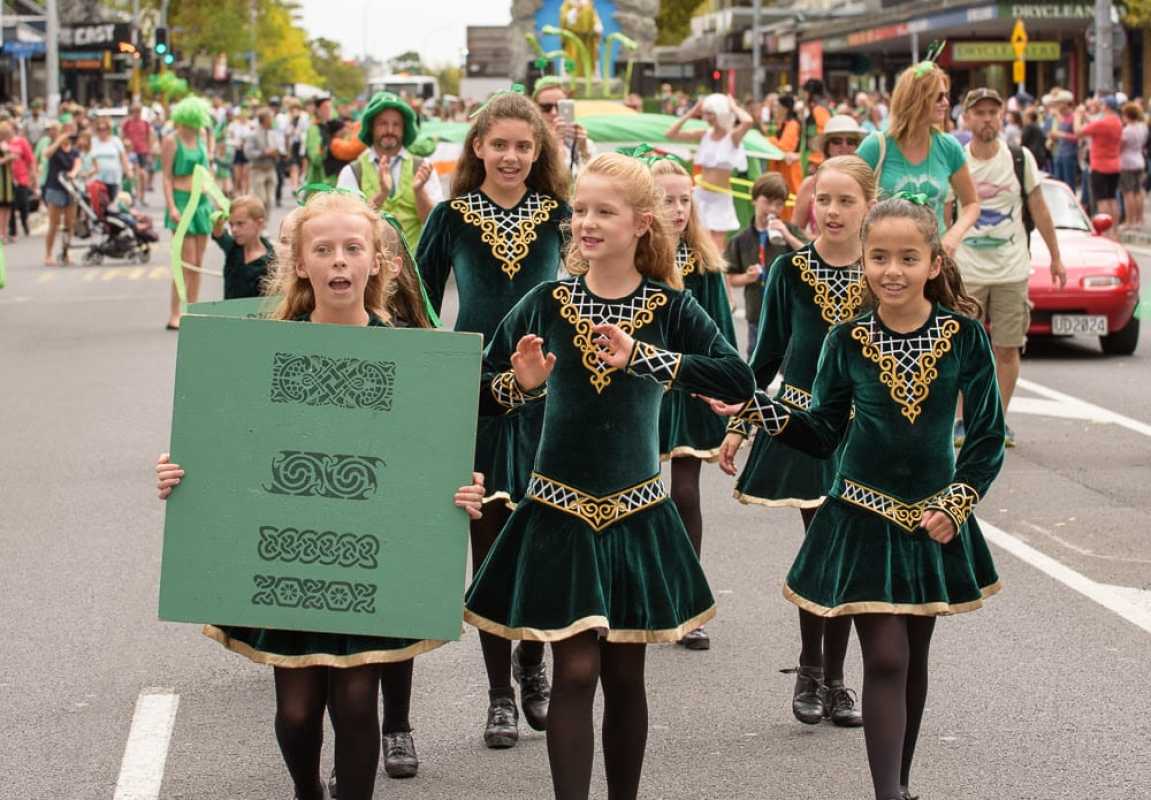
column 498, row 255
column 687, row 425
column 596, row 544
column 864, row 552
column 803, row 299
column 284, row 648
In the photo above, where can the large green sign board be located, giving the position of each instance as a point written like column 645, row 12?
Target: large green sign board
column 248, row 307
column 320, row 465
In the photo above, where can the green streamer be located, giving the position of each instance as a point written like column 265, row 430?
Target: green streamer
column 202, row 181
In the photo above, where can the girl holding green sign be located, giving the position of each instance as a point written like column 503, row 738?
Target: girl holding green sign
column 334, row 269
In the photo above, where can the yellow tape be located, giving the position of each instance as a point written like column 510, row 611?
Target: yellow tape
column 202, row 181
column 711, row 187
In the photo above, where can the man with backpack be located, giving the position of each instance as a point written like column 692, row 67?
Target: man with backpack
column 994, row 257
column 390, row 177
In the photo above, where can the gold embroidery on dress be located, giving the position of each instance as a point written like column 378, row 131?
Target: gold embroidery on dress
column 685, row 259
column 597, row 512
column 838, row 290
column 795, row 397
column 508, row 231
column 907, row 365
column 957, row 500
column 584, row 312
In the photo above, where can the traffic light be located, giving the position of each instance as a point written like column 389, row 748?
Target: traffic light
column 716, row 74
column 169, row 58
column 161, row 46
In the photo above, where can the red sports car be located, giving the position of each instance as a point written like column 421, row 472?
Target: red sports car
column 1102, row 278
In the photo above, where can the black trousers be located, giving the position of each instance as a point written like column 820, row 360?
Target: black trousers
column 21, row 199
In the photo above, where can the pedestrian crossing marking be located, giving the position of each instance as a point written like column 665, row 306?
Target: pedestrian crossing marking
column 109, row 274
column 46, row 277
column 158, row 272
column 136, row 273
column 90, row 275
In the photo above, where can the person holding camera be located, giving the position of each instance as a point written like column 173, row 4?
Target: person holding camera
column 63, row 160
column 551, row 98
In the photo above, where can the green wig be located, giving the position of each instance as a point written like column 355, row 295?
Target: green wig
column 192, row 112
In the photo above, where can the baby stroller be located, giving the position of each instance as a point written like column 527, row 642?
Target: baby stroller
column 123, row 233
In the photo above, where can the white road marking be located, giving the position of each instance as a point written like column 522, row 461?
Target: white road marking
column 45, row 277
column 1133, row 605
column 142, row 769
column 159, row 272
column 1084, row 551
column 1058, row 404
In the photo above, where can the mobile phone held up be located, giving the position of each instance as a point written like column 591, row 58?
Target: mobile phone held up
column 566, row 110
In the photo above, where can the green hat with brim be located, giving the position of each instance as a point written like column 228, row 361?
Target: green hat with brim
column 384, row 100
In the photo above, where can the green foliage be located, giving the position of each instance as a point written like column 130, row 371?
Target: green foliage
column 408, row 61
column 674, row 20
column 341, row 77
column 1135, row 13
column 448, row 78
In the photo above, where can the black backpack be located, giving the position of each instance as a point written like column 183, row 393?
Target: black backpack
column 1020, row 169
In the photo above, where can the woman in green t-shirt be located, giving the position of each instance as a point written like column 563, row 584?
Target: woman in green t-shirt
column 917, row 157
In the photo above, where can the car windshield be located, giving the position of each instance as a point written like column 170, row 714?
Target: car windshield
column 1065, row 210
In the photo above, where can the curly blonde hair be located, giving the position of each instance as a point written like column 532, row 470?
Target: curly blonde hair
column 655, row 253
column 694, row 235
column 298, row 298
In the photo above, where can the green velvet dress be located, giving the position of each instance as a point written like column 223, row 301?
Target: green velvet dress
column 596, row 544
column 687, row 425
column 498, row 255
column 803, row 299
column 864, row 552
column 296, row 649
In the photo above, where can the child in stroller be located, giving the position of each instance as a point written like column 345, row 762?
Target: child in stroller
column 125, row 233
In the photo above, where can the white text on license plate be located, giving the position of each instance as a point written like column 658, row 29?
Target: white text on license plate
column 1071, row 324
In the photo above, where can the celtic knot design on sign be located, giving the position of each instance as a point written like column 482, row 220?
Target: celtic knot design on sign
column 323, row 381
column 318, row 595
column 315, row 547
column 340, row 477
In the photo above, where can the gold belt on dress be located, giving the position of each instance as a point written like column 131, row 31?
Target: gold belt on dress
column 597, row 512
column 956, row 499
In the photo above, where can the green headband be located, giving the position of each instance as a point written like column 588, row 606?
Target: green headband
column 516, row 88
column 650, row 155
column 934, row 51
column 310, row 190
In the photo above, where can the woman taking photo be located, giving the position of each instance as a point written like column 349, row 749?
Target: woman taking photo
column 720, row 153
column 62, row 161
column 915, row 156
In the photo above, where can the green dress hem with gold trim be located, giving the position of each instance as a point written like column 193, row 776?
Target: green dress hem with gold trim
column 865, row 551
column 596, row 543
column 687, row 425
column 497, row 255
column 804, row 297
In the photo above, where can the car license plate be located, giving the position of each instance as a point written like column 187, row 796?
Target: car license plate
column 1073, row 324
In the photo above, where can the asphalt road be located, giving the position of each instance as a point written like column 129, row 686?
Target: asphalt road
column 1039, row 696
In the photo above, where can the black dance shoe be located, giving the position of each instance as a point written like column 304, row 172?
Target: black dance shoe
column 535, row 691
column 696, row 640
column 839, row 706
column 503, row 729
column 907, row 796
column 807, row 700
column 400, row 759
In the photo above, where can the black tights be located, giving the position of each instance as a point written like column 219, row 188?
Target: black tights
column 895, row 654
column 685, row 495
column 350, row 694
column 497, row 650
column 396, row 689
column 823, row 640
column 580, row 663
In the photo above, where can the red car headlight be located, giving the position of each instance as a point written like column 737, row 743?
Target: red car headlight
column 1101, row 281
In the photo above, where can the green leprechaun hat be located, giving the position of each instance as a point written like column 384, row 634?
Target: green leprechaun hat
column 381, row 101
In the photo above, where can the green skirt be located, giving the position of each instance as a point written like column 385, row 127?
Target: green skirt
column 295, row 649
column 505, row 451
column 551, row 576
column 778, row 475
column 688, row 427
column 201, row 224
column 854, row 561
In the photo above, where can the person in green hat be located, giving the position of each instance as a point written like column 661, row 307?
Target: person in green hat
column 389, row 176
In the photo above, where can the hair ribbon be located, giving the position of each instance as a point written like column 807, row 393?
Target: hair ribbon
column 516, row 88
column 310, row 190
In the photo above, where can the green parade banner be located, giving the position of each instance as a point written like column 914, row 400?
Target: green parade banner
column 320, row 463
column 202, row 181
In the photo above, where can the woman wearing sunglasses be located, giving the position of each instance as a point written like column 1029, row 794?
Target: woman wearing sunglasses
column 110, row 157
column 914, row 155
column 571, row 137
column 841, row 136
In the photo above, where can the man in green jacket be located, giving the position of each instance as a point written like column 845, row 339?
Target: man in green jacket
column 318, row 142
column 389, row 176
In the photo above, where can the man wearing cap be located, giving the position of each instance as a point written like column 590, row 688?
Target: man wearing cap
column 994, row 257
column 391, row 178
